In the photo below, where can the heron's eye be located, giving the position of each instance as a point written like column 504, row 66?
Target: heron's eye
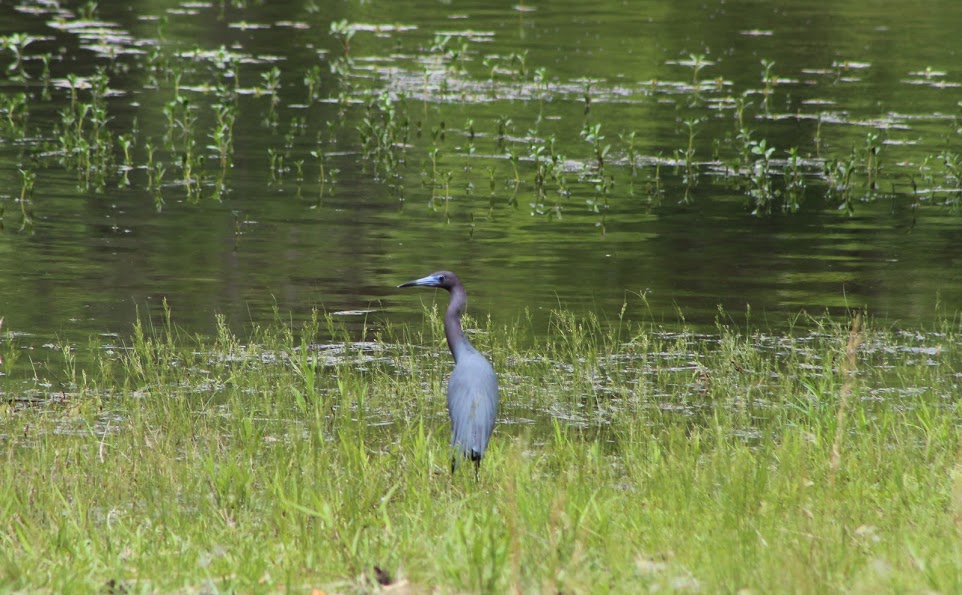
column 441, row 278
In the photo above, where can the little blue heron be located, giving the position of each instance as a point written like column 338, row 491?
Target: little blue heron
column 473, row 387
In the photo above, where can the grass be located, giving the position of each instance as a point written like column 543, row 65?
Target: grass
column 823, row 459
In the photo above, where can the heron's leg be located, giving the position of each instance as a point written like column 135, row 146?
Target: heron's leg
column 454, row 463
column 477, row 469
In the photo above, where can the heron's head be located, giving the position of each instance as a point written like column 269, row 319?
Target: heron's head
column 444, row 279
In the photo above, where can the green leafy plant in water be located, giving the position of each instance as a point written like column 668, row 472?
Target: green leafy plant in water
column 769, row 79
column 691, row 170
column 10, row 351
column 840, row 174
column 126, row 141
column 742, row 102
column 312, row 80
column 439, row 182
column 16, row 43
column 158, row 65
column 27, row 180
column 471, row 134
column 71, row 135
column 223, row 133
column 88, row 11
column 762, row 190
column 276, row 165
column 744, row 144
column 192, row 170
column 491, row 62
column 592, row 135
column 519, row 60
column 653, row 187
column 227, row 88
column 295, row 129
column 697, row 62
column 13, row 114
column 512, row 155
column 631, row 150
column 504, row 124
column 958, row 118
column 459, row 54
column 453, row 54
column 873, row 161
column 438, row 133
column 557, row 167
column 603, row 185
column 45, row 76
column 439, row 45
column 952, row 162
column 101, row 137
column 149, row 148
column 318, row 154
column 818, row 134
column 181, row 117
column 299, row 171
column 537, row 154
column 180, row 139
column 492, row 178
column 541, row 80
column 343, row 33
column 341, row 67
column 86, row 144
column 926, row 175
column 272, row 84
column 432, row 179
column 155, row 176
column 794, row 181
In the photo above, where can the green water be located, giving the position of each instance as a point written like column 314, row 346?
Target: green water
column 873, row 86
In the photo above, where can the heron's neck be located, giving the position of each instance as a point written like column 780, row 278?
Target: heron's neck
column 457, row 342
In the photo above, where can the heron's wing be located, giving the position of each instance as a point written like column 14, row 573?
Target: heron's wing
column 472, row 404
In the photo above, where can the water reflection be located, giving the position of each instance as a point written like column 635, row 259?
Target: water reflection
column 313, row 214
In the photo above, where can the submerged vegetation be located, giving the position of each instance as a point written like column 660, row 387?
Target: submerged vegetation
column 826, row 458
column 395, row 112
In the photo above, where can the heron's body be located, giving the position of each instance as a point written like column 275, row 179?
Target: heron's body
column 472, row 403
column 473, row 386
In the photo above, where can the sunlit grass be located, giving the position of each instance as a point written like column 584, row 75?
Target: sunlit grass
column 823, row 459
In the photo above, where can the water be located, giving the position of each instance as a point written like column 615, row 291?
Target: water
column 93, row 258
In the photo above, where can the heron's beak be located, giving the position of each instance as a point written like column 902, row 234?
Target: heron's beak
column 429, row 281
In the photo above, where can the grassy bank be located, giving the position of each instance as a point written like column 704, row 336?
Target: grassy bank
column 823, row 459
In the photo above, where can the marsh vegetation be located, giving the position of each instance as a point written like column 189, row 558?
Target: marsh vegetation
column 208, row 383
column 711, row 142
column 825, row 458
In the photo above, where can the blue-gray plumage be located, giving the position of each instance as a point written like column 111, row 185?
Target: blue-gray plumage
column 473, row 387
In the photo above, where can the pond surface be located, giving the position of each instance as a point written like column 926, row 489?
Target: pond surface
column 677, row 156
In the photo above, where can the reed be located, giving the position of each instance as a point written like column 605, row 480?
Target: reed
column 824, row 458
